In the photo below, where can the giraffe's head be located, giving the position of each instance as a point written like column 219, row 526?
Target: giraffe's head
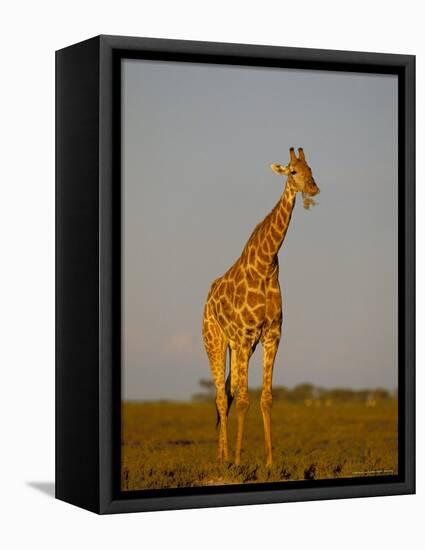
column 299, row 173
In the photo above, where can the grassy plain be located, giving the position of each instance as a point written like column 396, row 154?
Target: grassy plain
column 174, row 444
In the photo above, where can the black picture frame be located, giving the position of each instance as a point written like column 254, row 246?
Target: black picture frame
column 88, row 256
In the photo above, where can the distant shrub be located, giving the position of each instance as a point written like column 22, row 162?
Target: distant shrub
column 306, row 393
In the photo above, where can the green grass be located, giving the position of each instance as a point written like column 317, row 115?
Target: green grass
column 174, row 444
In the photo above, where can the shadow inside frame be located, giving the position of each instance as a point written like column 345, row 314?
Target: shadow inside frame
column 257, row 487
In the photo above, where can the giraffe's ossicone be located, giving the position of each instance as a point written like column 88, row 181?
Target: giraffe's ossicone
column 244, row 307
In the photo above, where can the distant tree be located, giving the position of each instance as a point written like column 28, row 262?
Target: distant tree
column 341, row 394
column 307, row 393
column 201, row 397
column 255, row 393
column 302, row 392
column 362, row 395
column 280, row 393
column 381, row 394
column 207, row 384
column 208, row 393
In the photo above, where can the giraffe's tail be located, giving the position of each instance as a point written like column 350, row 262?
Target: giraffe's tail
column 228, row 389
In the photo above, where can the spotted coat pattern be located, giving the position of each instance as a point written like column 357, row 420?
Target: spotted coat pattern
column 244, row 307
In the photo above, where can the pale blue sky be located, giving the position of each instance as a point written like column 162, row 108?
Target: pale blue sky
column 197, row 144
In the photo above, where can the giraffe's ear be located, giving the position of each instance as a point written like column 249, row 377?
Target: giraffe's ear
column 280, row 170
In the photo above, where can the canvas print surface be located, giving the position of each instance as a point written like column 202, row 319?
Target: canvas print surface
column 259, row 275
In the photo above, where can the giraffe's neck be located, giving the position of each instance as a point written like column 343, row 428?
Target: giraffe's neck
column 265, row 242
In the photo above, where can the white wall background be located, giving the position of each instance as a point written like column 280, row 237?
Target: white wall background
column 30, row 32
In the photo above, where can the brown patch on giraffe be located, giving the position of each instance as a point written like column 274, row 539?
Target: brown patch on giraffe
column 270, row 243
column 228, row 310
column 230, row 289
column 238, row 276
column 275, row 297
column 253, row 299
column 240, row 290
column 274, row 233
column 262, row 256
column 222, row 320
column 266, row 253
column 273, row 285
column 220, row 290
column 238, row 319
column 231, row 330
column 251, row 282
column 248, row 317
column 217, row 307
column 262, row 268
column 254, row 277
column 259, row 311
column 273, row 305
column 249, row 333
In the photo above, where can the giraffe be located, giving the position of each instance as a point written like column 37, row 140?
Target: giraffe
column 244, row 307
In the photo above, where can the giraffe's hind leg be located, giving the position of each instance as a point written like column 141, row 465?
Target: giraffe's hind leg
column 216, row 346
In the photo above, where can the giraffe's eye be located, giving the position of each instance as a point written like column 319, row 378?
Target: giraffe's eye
column 293, row 172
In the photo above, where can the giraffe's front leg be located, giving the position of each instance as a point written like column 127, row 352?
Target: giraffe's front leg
column 221, row 403
column 242, row 400
column 270, row 350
